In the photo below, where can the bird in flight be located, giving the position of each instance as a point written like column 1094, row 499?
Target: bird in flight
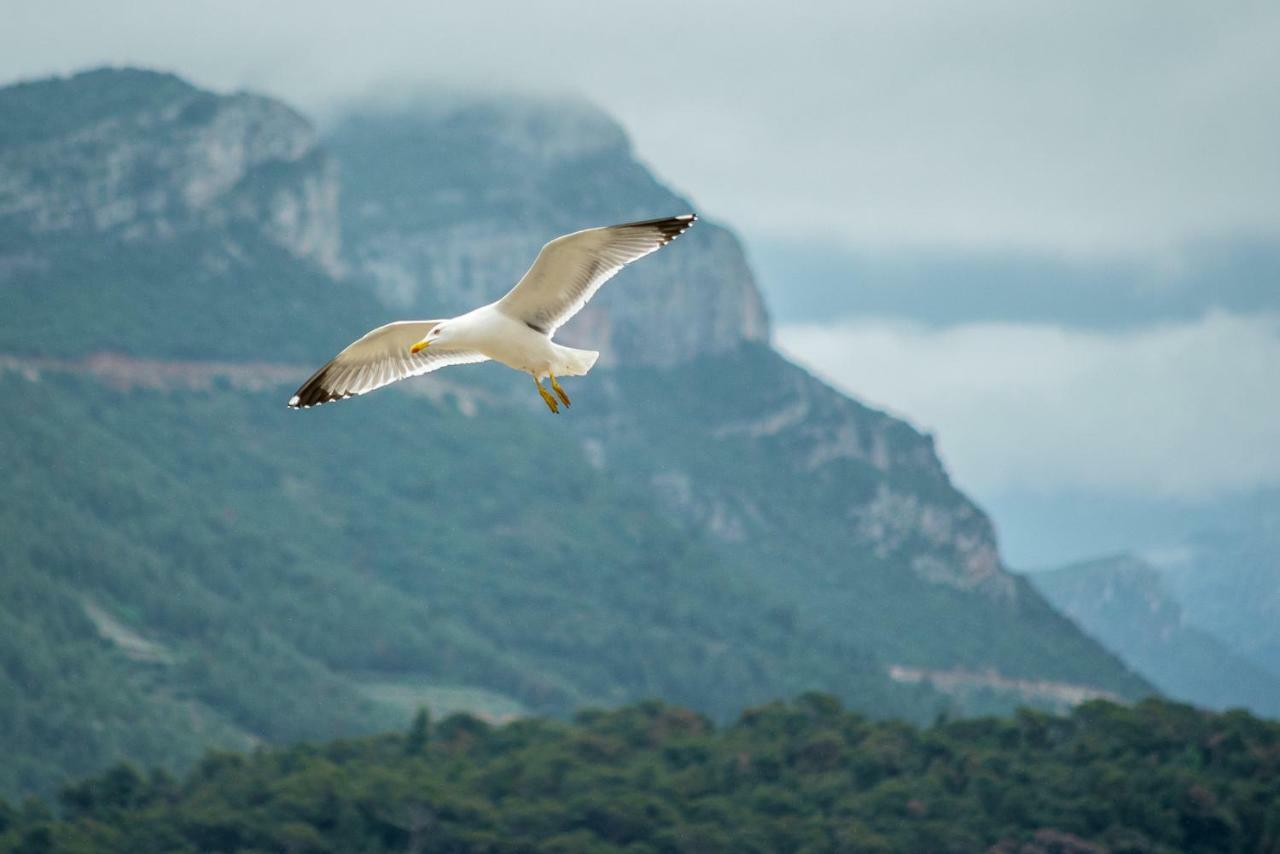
column 516, row 330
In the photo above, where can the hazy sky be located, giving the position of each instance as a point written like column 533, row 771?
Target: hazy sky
column 1073, row 127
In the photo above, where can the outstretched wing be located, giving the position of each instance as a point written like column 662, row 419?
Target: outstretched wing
column 570, row 269
column 379, row 358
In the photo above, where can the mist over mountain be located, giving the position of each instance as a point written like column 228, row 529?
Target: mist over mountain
column 189, row 564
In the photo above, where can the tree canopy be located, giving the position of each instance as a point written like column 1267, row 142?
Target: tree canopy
column 803, row 776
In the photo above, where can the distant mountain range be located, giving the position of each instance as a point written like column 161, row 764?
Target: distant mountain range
column 187, row 563
column 1199, row 616
column 1128, row 605
column 1227, row 577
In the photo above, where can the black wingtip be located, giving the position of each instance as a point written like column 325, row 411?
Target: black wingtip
column 669, row 227
column 313, row 392
column 679, row 225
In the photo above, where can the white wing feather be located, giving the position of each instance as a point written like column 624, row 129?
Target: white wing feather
column 570, row 269
column 379, row 358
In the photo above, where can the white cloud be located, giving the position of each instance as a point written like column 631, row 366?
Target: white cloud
column 1180, row 410
column 1087, row 127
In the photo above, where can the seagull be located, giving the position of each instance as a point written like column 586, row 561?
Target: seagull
column 516, row 330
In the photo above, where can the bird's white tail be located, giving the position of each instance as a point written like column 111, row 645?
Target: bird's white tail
column 575, row 363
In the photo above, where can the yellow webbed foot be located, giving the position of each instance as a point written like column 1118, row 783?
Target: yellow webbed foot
column 547, row 398
column 550, row 402
column 555, row 386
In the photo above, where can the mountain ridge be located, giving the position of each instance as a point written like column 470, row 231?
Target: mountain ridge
column 712, row 524
column 1226, row 575
column 1129, row 605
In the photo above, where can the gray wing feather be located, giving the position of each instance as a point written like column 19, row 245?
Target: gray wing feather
column 570, row 269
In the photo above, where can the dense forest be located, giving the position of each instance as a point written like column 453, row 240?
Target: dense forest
column 805, row 776
column 226, row 587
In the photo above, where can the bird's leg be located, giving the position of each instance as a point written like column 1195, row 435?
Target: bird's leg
column 555, row 386
column 546, row 396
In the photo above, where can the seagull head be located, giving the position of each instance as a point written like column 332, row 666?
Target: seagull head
column 432, row 337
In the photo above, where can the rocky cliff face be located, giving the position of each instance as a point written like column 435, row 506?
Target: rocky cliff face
column 447, row 203
column 791, row 456
column 137, row 155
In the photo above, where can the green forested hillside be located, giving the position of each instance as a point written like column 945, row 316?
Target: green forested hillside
column 202, row 295
column 806, row 776
column 294, row 579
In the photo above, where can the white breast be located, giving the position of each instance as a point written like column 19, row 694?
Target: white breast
column 507, row 340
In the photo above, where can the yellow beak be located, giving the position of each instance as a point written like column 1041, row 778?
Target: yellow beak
column 421, row 345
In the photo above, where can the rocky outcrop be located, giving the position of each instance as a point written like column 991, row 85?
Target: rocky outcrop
column 872, row 480
column 143, row 155
column 435, row 240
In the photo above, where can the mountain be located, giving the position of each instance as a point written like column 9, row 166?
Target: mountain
column 1126, row 604
column 141, row 215
column 1227, row 576
column 187, row 563
column 446, row 202
column 838, row 509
